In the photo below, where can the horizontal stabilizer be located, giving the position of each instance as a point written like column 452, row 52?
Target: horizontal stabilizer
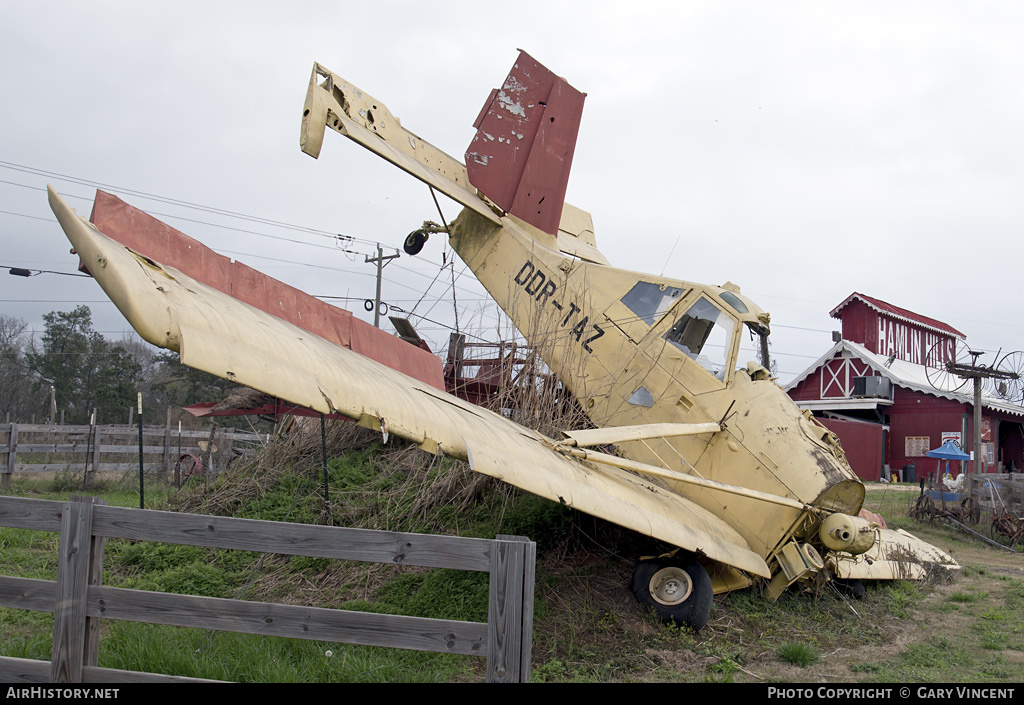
column 333, row 102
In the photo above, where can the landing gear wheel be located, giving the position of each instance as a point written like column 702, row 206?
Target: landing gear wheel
column 414, row 242
column 679, row 590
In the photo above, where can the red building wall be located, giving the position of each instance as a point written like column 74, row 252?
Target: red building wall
column 917, row 414
column 808, row 389
column 888, row 334
column 833, row 380
column 860, row 325
column 862, row 443
column 887, row 330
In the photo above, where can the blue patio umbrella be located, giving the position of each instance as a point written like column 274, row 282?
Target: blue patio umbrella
column 949, row 451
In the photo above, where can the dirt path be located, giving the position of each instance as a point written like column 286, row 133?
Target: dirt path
column 975, row 553
column 954, row 613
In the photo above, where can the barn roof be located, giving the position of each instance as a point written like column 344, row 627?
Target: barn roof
column 904, row 374
column 898, row 313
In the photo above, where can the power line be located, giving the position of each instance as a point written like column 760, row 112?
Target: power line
column 337, row 237
column 248, row 232
column 25, row 215
column 177, row 202
column 344, row 238
column 338, row 242
column 20, row 272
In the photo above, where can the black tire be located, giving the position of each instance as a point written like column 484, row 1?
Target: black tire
column 679, row 590
column 853, row 588
column 414, row 242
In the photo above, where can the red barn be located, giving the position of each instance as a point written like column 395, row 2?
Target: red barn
column 874, row 390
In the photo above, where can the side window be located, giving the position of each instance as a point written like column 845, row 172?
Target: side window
column 705, row 334
column 650, row 301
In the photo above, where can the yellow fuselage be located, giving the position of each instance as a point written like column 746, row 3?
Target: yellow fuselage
column 623, row 369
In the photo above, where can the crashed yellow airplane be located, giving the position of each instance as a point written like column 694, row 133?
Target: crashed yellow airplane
column 710, row 457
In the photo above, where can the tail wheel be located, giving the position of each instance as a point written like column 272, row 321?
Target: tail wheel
column 679, row 590
column 414, row 242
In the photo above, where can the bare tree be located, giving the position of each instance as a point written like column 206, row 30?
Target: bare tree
column 17, row 398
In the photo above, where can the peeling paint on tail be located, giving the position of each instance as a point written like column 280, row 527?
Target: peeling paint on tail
column 525, row 140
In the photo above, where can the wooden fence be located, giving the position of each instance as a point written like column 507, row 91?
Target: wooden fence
column 89, row 449
column 999, row 491
column 78, row 600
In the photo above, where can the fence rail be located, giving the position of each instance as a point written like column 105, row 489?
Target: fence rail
column 1002, row 492
column 78, row 600
column 104, row 448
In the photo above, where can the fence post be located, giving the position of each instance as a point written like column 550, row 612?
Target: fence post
column 510, row 610
column 97, row 439
column 529, row 578
column 92, row 624
column 12, row 457
column 167, row 444
column 69, row 619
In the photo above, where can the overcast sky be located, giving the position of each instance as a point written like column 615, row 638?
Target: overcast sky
column 803, row 150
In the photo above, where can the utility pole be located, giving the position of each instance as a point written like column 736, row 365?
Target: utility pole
column 977, row 373
column 380, row 260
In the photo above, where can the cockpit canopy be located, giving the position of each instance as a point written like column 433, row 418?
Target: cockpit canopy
column 705, row 320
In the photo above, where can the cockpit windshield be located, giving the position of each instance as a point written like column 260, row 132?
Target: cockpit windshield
column 705, row 333
column 650, row 301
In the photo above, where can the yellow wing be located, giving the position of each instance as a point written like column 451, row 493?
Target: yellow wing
column 228, row 338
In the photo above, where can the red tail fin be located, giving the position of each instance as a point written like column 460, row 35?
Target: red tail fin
column 524, row 144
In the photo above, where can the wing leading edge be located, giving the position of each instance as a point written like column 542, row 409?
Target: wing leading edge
column 215, row 333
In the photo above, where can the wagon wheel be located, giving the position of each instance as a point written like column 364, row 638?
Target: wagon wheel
column 1005, row 526
column 924, row 509
column 1012, row 390
column 970, row 511
column 1016, row 529
column 187, row 467
column 1000, row 526
column 937, row 368
column 914, row 511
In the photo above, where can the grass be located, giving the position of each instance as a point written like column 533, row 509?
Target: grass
column 967, row 596
column 380, row 492
column 799, row 653
column 587, row 626
column 254, row 659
